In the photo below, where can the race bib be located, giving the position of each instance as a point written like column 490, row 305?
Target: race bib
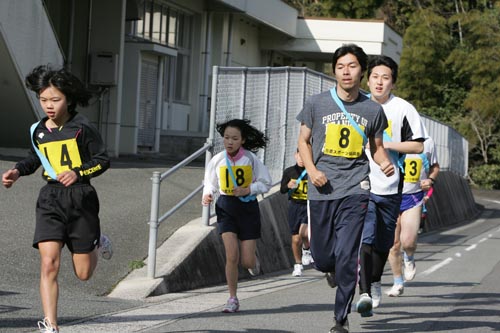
column 413, row 166
column 242, row 173
column 388, row 130
column 63, row 155
column 343, row 141
column 300, row 192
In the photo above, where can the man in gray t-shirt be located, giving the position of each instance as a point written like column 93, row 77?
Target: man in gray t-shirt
column 331, row 144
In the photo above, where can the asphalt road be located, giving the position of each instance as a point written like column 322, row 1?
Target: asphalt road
column 125, row 197
column 456, row 288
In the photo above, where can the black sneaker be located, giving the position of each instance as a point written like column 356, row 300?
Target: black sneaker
column 339, row 328
column 330, row 278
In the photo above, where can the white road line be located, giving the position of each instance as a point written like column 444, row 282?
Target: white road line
column 436, row 267
column 472, row 247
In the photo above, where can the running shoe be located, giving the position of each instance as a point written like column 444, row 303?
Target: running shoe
column 409, row 270
column 232, row 305
column 46, row 327
column 330, row 279
column 395, row 291
column 364, row 305
column 297, row 270
column 105, row 247
column 339, row 328
column 256, row 270
column 306, row 257
column 376, row 294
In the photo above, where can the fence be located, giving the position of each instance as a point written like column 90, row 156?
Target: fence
column 271, row 98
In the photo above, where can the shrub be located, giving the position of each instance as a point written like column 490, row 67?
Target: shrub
column 486, row 176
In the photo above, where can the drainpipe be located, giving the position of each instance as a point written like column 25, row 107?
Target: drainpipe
column 206, row 72
column 159, row 104
column 69, row 63
column 229, row 46
column 89, row 31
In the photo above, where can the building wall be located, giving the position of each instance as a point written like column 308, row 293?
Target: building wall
column 246, row 50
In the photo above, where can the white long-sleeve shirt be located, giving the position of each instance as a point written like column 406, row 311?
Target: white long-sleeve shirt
column 248, row 171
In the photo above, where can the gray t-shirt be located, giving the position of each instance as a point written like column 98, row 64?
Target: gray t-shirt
column 337, row 146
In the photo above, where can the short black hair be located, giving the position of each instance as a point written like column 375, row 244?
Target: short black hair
column 383, row 60
column 44, row 76
column 352, row 49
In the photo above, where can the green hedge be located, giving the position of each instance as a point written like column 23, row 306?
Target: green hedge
column 486, row 176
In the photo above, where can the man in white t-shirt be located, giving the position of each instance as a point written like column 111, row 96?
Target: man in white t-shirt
column 421, row 173
column 404, row 135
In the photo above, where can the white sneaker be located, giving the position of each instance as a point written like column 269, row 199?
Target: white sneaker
column 297, row 270
column 409, row 270
column 232, row 305
column 306, row 257
column 45, row 326
column 256, row 270
column 376, row 294
column 105, row 247
column 395, row 291
column 364, row 305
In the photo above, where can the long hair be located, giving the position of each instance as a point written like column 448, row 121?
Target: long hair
column 254, row 139
column 44, row 76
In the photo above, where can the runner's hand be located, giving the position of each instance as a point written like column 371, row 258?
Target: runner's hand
column 9, row 177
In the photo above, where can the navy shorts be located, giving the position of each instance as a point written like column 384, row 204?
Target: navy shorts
column 411, row 200
column 380, row 221
column 297, row 215
column 241, row 218
column 68, row 214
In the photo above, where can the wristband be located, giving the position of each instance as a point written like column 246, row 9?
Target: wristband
column 432, row 180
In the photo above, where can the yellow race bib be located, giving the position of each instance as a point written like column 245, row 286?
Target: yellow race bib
column 343, row 141
column 63, row 155
column 300, row 193
column 242, row 173
column 413, row 166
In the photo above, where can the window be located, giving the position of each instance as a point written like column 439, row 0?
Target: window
column 162, row 24
column 172, row 28
column 156, row 23
column 181, row 88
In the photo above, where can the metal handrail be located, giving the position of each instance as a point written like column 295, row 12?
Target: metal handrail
column 154, row 220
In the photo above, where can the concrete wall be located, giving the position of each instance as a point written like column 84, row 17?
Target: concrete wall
column 193, row 257
column 452, row 202
column 204, row 265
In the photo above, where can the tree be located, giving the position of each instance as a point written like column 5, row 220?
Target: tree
column 476, row 61
column 423, row 75
column 309, row 8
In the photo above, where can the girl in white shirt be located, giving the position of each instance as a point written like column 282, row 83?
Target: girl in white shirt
column 238, row 175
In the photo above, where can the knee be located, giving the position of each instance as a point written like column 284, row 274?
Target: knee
column 232, row 258
column 83, row 274
column 49, row 266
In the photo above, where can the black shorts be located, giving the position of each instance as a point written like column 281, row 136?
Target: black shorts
column 68, row 214
column 297, row 215
column 242, row 218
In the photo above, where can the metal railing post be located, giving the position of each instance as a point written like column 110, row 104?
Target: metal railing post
column 153, row 224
